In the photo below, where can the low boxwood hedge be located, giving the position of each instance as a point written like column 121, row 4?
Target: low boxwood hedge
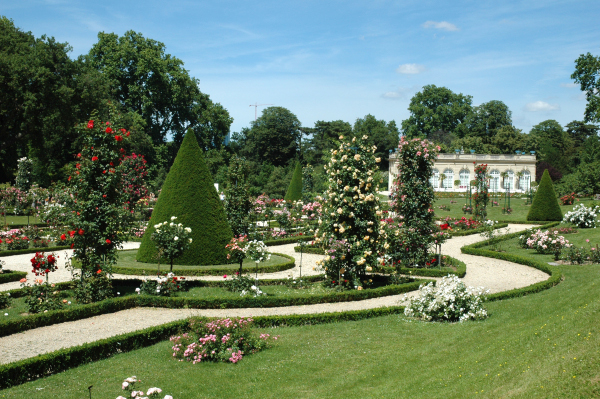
column 288, row 240
column 555, row 274
column 310, row 249
column 33, row 250
column 51, row 363
column 121, row 303
column 8, row 276
column 461, row 269
column 461, row 233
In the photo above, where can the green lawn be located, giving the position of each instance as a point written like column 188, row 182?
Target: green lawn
column 10, row 220
column 544, row 345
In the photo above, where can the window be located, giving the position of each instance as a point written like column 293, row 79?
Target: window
column 449, row 181
column 494, row 180
column 509, row 180
column 464, row 178
column 435, row 179
column 525, row 180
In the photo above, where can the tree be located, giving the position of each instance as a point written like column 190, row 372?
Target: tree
column 586, row 74
column 325, row 137
column 146, row 80
column 43, row 95
column 508, row 139
column 545, row 204
column 487, row 118
column 274, row 137
column 189, row 194
column 552, row 143
column 294, row 191
column 237, row 197
column 585, row 139
column 383, row 135
column 437, row 108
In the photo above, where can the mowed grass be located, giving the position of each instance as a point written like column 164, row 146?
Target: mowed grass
column 545, row 345
column 518, row 206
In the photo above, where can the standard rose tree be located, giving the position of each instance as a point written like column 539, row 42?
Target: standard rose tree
column 171, row 240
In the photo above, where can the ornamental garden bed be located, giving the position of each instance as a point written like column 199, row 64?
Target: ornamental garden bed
column 127, row 264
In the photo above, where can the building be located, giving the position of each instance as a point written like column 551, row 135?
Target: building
column 453, row 172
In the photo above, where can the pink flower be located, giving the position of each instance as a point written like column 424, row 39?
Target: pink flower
column 224, row 276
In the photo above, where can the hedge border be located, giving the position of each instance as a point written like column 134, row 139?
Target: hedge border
column 207, row 272
column 461, row 270
column 289, row 240
column 8, row 276
column 122, row 303
column 462, row 233
column 26, row 370
column 555, row 274
column 33, row 250
column 21, row 225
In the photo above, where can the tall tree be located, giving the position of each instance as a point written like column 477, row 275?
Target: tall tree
column 487, row 118
column 274, row 137
column 437, row 108
column 147, row 80
column 553, row 144
column 384, row 136
column 585, row 139
column 508, row 139
column 325, row 137
column 587, row 74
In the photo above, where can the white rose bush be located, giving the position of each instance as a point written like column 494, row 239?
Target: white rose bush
column 582, row 216
column 171, row 240
column 449, row 300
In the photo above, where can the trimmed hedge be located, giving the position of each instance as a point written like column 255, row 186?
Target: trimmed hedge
column 461, row 269
column 207, row 272
column 288, row 240
column 555, row 274
column 8, row 276
column 545, row 203
column 116, row 304
column 294, row 191
column 308, row 249
column 22, row 225
column 17, row 373
column 33, row 250
column 188, row 193
column 51, row 363
column 479, row 230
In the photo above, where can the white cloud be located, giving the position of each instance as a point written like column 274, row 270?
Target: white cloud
column 542, row 106
column 410, row 69
column 443, row 25
column 569, row 85
column 392, row 95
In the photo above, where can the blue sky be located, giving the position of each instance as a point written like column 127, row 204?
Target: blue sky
column 329, row 60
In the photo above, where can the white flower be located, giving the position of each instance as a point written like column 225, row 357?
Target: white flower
column 173, row 217
column 175, row 238
column 188, row 230
column 190, row 240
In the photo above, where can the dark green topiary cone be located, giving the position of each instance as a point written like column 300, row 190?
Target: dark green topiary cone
column 189, row 194
column 294, row 191
column 545, row 204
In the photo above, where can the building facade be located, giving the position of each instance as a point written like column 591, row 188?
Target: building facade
column 453, row 172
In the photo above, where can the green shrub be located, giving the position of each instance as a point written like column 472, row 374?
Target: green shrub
column 9, row 276
column 545, row 205
column 189, row 194
column 294, row 191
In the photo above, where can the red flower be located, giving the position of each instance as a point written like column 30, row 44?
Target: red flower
column 119, row 138
column 99, row 271
column 63, row 237
column 107, row 241
column 79, row 155
column 72, row 233
column 72, row 245
column 94, row 158
column 81, row 232
column 109, row 130
column 78, row 166
column 127, row 134
column 90, row 124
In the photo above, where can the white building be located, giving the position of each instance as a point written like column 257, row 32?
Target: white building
column 453, row 172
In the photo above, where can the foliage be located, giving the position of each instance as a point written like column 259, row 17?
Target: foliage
column 582, row 216
column 351, row 209
column 380, row 134
column 586, row 75
column 172, row 239
column 294, row 191
column 487, row 119
column 23, row 180
column 164, row 285
column 41, row 296
column 189, row 193
column 413, row 200
column 43, row 264
column 547, row 242
column 437, row 109
column 274, row 136
column 552, row 144
column 5, row 300
column 237, row 197
column 223, row 340
column 568, row 199
column 94, row 288
column 154, row 84
column 545, row 204
column 449, row 300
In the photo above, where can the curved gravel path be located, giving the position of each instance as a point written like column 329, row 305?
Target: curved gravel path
column 494, row 274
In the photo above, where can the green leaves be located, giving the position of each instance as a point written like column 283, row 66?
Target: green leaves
column 586, row 74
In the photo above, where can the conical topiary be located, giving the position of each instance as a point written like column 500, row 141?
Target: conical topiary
column 189, row 193
column 545, row 204
column 294, row 191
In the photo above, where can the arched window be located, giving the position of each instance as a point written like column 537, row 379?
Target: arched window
column 464, row 177
column 509, row 180
column 449, row 181
column 525, row 180
column 494, row 180
column 434, row 180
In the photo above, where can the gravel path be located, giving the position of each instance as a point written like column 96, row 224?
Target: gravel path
column 494, row 274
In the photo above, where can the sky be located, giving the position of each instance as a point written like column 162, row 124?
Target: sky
column 332, row 60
